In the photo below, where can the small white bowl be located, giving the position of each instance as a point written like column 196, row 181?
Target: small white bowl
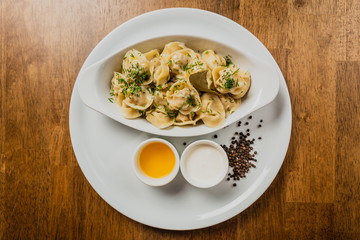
column 155, row 182
column 188, row 169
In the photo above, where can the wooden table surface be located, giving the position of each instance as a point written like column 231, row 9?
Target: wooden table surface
column 44, row 194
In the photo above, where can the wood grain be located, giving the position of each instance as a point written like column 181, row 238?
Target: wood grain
column 44, row 194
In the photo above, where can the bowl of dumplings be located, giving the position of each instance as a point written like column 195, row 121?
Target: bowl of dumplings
column 178, row 85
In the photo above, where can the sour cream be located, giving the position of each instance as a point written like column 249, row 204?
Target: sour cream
column 204, row 164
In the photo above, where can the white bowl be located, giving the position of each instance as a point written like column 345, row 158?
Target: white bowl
column 94, row 84
column 220, row 172
column 155, row 182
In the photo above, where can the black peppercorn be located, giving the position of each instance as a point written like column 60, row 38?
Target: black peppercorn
column 240, row 155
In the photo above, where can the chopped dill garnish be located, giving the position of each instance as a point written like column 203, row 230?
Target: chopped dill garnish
column 228, row 60
column 191, row 101
column 229, row 83
column 137, row 73
column 133, row 88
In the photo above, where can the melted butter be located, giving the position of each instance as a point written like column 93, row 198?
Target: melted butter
column 157, row 160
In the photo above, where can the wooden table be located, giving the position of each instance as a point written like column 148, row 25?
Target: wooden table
column 44, row 194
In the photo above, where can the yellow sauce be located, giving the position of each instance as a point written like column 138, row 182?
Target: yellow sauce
column 157, row 160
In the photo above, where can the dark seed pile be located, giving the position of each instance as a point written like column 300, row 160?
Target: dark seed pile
column 240, row 154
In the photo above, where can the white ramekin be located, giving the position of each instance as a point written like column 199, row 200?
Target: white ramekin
column 223, row 170
column 155, row 182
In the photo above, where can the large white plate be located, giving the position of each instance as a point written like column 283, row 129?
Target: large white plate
column 103, row 147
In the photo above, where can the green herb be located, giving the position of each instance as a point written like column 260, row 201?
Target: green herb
column 150, row 90
column 143, row 113
column 229, row 83
column 152, row 110
column 137, row 73
column 228, row 60
column 191, row 101
column 132, row 55
column 157, row 88
column 145, row 76
column 134, row 88
column 190, row 66
column 206, row 52
column 111, row 100
column 171, row 113
column 170, row 62
column 124, row 58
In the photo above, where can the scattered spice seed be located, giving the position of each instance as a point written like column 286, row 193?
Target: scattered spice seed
column 184, row 143
column 215, row 136
column 240, row 156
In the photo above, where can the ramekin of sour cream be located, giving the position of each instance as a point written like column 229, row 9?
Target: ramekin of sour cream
column 204, row 164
